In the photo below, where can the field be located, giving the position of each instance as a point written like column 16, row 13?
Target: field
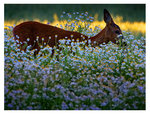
column 108, row 77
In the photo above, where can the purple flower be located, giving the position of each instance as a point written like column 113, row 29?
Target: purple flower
column 104, row 104
column 53, row 90
column 59, row 87
column 35, row 89
column 29, row 108
column 93, row 107
column 48, row 23
column 141, row 89
column 73, row 83
column 116, row 99
column 10, row 105
column 6, row 90
column 70, row 105
column 61, row 16
column 64, row 106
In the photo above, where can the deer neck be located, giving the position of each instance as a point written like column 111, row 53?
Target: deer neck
column 99, row 38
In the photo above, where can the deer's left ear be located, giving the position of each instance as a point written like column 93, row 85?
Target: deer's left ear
column 107, row 17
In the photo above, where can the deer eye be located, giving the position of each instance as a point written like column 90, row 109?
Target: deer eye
column 117, row 32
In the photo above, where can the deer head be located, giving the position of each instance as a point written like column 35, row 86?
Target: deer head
column 112, row 31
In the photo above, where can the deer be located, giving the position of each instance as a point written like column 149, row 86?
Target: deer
column 31, row 31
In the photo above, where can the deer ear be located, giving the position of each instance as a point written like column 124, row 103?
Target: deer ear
column 107, row 17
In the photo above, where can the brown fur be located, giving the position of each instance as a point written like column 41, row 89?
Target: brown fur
column 32, row 30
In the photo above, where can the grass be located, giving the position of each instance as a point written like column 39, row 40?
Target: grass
column 108, row 77
column 137, row 28
column 129, row 12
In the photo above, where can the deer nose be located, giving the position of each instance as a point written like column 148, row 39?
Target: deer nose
column 123, row 43
column 120, row 36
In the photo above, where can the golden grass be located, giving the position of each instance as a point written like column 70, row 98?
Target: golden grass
column 125, row 26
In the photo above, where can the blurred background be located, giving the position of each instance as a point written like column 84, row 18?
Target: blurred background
column 129, row 12
column 130, row 17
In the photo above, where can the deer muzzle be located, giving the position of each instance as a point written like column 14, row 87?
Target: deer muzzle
column 121, row 40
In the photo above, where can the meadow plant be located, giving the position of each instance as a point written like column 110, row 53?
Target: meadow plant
column 107, row 77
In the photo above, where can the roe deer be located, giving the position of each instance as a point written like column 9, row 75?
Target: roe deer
column 31, row 30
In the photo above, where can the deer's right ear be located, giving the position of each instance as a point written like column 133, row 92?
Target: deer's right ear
column 107, row 17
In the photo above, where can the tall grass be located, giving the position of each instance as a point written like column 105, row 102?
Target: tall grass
column 137, row 28
column 108, row 77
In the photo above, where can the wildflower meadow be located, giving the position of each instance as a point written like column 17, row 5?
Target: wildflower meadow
column 77, row 76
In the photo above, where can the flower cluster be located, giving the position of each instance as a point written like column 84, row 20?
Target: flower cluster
column 108, row 77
